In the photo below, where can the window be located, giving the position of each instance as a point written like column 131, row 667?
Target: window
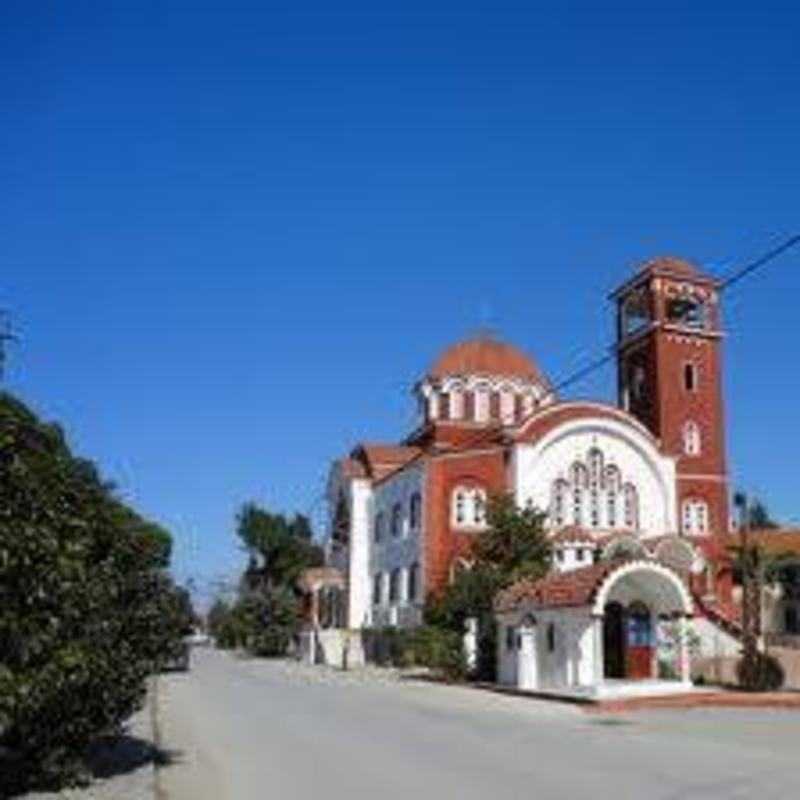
column 519, row 410
column 636, row 312
column 695, row 517
column 444, row 406
column 397, row 519
column 494, row 405
column 415, row 511
column 691, row 439
column 551, row 637
column 511, row 637
column 380, row 526
column 687, row 311
column 631, row 506
column 558, row 511
column 559, row 555
column 413, row 582
column 791, row 620
column 377, row 589
column 394, row 586
column 469, row 406
column 577, row 505
column 690, row 377
column 460, row 507
column 478, row 507
column 579, row 554
column 468, row 508
column 593, row 496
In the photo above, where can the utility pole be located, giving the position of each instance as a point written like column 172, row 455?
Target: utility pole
column 6, row 336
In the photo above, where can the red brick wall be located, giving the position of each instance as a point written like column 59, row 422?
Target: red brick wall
column 443, row 544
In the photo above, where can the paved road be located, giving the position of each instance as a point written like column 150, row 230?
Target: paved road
column 253, row 730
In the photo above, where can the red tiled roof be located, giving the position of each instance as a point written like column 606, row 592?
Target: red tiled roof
column 485, row 356
column 381, row 460
column 777, row 541
column 571, row 589
column 670, row 266
column 559, row 589
column 350, row 468
column 572, row 533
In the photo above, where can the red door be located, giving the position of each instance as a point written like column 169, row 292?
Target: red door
column 639, row 661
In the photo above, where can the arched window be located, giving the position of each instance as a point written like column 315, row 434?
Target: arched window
column 460, row 507
column 394, row 586
column 468, row 508
column 613, row 481
column 593, row 496
column 595, row 467
column 695, row 517
column 577, row 505
column 551, row 637
column 631, row 506
column 594, row 507
column 415, row 511
column 691, row 439
column 397, row 519
column 579, row 475
column 377, row 589
column 444, row 406
column 380, row 526
column 690, row 377
column 469, row 406
column 479, row 507
column 494, row 405
column 413, row 582
column 558, row 510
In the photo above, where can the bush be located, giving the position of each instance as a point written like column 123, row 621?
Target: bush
column 439, row 649
column 87, row 611
column 763, row 674
column 267, row 621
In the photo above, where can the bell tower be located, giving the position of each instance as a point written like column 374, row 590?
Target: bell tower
column 670, row 378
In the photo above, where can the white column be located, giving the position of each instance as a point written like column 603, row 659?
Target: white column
column 597, row 651
column 685, row 660
column 433, row 405
column 471, row 643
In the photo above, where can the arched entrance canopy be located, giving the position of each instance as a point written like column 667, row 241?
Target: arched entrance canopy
column 646, row 582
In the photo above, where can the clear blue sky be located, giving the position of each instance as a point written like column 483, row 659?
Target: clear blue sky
column 233, row 236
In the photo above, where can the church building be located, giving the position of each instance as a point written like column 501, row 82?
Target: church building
column 636, row 495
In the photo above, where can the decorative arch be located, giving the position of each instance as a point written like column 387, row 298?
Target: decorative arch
column 646, row 581
column 540, row 460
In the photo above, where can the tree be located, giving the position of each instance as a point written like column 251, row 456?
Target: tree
column 279, row 549
column 85, row 603
column 760, row 518
column 514, row 544
column 265, row 616
column 513, row 547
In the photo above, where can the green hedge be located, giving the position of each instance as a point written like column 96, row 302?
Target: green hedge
column 87, row 610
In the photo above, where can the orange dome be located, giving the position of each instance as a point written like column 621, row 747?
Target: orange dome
column 484, row 356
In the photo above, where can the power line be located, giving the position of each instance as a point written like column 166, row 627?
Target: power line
column 726, row 283
column 759, row 262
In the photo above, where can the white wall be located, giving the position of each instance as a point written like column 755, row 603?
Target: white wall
column 572, row 661
column 535, row 467
column 360, row 529
column 353, row 560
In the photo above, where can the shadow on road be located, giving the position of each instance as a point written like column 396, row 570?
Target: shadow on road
column 108, row 757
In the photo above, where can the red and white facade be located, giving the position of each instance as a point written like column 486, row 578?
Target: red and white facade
column 647, row 475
